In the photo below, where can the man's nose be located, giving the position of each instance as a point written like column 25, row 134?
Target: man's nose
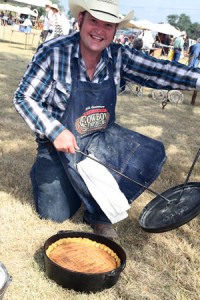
column 99, row 27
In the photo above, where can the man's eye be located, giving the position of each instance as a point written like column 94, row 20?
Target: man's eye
column 109, row 25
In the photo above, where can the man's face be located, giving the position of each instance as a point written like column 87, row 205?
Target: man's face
column 95, row 35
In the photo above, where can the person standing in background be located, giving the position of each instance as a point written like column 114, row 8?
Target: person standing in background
column 55, row 23
column 1, row 17
column 138, row 43
column 75, row 26
column 194, row 54
column 186, row 43
column 47, row 17
column 65, row 24
column 5, row 19
column 131, row 40
column 178, row 46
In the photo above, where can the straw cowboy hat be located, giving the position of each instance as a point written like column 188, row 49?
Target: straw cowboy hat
column 55, row 6
column 183, row 33
column 104, row 10
column 48, row 3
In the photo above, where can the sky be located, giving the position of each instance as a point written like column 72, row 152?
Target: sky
column 157, row 10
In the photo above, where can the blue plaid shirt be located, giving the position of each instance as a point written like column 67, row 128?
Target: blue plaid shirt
column 42, row 95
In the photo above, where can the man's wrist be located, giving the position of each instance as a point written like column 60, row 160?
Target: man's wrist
column 54, row 133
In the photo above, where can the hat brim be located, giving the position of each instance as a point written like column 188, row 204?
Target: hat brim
column 76, row 7
column 54, row 7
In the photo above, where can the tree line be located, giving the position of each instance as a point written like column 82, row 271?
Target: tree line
column 183, row 23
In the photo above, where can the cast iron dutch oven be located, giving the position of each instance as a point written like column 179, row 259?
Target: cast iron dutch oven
column 78, row 281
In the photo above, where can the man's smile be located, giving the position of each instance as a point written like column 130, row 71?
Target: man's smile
column 97, row 38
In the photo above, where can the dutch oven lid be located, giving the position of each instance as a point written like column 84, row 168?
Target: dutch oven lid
column 5, row 279
column 160, row 215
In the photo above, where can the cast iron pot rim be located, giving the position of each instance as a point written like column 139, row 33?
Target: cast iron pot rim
column 109, row 273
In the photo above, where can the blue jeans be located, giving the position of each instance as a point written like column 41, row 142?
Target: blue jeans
column 54, row 196
column 177, row 55
column 193, row 61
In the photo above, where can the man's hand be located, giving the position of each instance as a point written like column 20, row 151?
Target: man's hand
column 66, row 142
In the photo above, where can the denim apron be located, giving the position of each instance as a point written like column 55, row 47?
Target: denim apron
column 90, row 116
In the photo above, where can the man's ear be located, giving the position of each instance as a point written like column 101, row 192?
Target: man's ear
column 115, row 30
column 80, row 19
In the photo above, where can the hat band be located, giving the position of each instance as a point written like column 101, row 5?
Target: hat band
column 104, row 12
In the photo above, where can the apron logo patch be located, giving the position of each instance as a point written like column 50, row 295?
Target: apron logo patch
column 92, row 120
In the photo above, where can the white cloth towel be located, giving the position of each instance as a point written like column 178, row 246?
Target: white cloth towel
column 104, row 189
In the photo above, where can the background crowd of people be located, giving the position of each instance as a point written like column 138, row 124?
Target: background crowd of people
column 180, row 46
column 55, row 23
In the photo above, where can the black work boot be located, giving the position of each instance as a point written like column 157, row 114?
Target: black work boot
column 106, row 230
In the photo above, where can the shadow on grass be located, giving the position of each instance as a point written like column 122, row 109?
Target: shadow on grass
column 39, row 259
column 4, row 41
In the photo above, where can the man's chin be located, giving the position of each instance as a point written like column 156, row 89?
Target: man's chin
column 98, row 47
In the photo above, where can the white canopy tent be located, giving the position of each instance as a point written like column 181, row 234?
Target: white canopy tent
column 8, row 7
column 28, row 11
column 150, row 29
column 167, row 29
column 18, row 9
column 39, row 3
column 162, row 28
column 142, row 24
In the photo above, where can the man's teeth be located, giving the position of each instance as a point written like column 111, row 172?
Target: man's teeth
column 97, row 38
